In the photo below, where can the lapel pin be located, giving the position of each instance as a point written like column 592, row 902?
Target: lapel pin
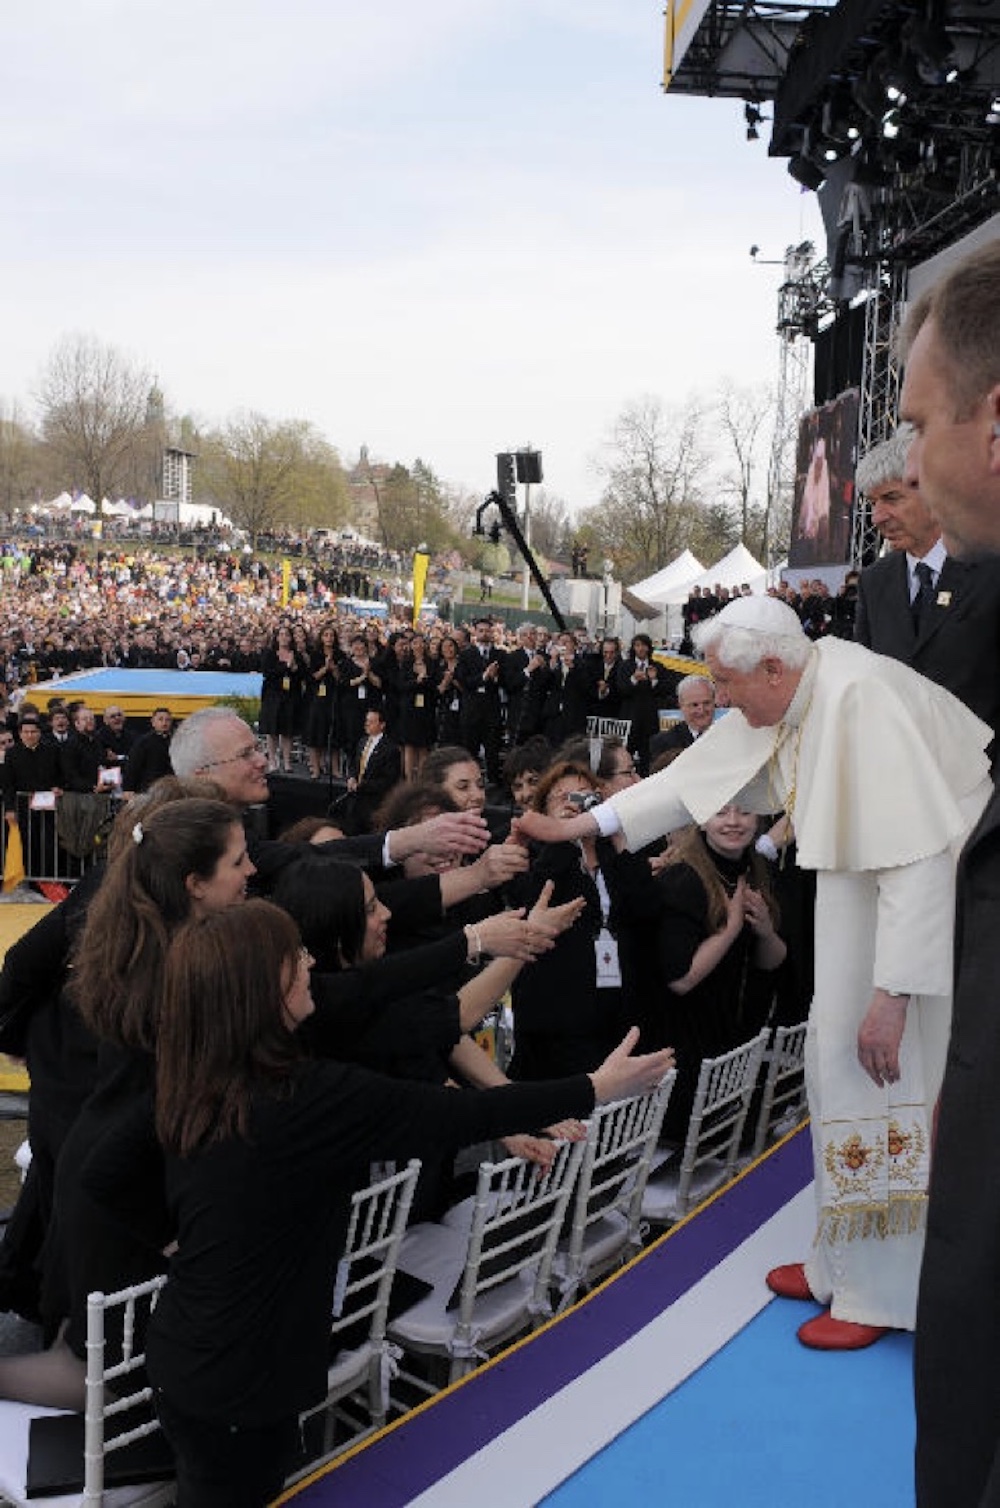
column 944, row 599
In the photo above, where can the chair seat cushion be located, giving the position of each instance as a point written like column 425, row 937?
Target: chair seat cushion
column 438, row 1254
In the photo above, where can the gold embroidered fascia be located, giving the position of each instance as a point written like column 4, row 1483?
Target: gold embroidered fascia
column 874, row 1175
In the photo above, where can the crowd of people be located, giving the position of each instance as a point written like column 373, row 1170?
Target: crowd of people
column 621, row 910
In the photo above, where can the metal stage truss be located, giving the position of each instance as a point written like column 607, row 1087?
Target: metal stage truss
column 890, row 111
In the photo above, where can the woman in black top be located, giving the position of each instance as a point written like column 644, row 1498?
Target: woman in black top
column 718, row 949
column 281, row 696
column 325, row 665
column 577, row 1000
column 180, row 859
column 263, row 1150
column 417, row 708
column 449, row 694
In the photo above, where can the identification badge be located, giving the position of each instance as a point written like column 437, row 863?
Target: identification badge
column 322, row 689
column 454, row 704
column 418, row 700
column 609, row 974
column 286, row 683
column 362, row 693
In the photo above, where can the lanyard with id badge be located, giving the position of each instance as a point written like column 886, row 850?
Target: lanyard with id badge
column 609, row 973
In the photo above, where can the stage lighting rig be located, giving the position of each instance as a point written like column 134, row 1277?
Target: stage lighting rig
column 754, row 117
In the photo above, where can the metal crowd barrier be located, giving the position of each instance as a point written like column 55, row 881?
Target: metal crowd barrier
column 46, row 858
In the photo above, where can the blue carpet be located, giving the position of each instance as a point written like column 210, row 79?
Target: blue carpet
column 767, row 1423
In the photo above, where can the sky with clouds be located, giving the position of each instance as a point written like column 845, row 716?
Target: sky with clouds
column 440, row 229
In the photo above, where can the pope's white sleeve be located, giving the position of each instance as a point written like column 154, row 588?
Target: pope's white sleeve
column 648, row 810
column 914, row 929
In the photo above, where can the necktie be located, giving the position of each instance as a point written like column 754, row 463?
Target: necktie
column 365, row 756
column 924, row 595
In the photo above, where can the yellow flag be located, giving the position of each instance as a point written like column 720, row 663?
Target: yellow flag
column 286, row 581
column 13, row 864
column 421, row 563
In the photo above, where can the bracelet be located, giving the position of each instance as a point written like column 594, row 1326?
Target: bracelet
column 475, row 943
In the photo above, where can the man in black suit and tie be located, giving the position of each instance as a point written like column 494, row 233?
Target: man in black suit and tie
column 696, row 700
column 951, row 395
column 514, row 679
column 938, row 615
column 377, row 766
column 478, row 672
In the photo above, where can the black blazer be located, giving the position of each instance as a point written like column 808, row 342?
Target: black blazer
column 469, row 674
column 383, row 770
column 677, row 737
column 957, row 1361
column 959, row 641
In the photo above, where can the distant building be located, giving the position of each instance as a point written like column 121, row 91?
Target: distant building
column 366, row 481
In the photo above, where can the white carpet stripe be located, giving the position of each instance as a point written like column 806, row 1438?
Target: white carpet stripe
column 529, row 1460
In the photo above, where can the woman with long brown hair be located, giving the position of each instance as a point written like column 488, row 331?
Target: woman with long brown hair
column 183, row 859
column 263, row 1150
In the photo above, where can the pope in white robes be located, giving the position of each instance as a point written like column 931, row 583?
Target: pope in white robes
column 882, row 773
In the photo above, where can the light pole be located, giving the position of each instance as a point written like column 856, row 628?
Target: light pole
column 529, row 469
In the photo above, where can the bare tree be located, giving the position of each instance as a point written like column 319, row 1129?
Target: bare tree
column 549, row 521
column 654, row 466
column 94, row 415
column 745, row 419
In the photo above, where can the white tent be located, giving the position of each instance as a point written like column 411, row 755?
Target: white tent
column 734, row 569
column 83, row 504
column 661, row 586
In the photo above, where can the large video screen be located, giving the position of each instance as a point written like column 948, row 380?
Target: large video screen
column 824, row 483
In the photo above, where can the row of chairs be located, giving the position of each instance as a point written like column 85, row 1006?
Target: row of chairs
column 525, row 1245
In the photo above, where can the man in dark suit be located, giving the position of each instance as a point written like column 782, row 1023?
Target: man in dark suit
column 149, row 760
column 938, row 615
column 514, row 680
column 605, row 695
column 696, row 700
column 564, row 689
column 951, row 394
column 377, row 766
column 478, row 672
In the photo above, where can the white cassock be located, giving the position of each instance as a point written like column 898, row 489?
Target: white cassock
column 883, row 773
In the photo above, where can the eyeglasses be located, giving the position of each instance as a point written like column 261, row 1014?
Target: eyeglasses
column 242, row 755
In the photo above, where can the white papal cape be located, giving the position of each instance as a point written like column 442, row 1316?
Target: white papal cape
column 884, row 773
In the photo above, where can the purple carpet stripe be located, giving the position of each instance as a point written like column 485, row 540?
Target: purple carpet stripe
column 410, row 1458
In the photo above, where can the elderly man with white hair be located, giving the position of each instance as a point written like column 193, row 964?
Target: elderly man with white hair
column 881, row 773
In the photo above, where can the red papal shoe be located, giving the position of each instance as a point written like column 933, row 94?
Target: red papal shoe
column 824, row 1333
column 789, row 1282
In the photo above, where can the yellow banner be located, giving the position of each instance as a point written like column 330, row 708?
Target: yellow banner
column 13, row 864
column 683, row 17
column 286, row 581
column 421, row 565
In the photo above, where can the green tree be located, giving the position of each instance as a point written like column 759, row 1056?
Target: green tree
column 414, row 509
column 20, row 468
column 93, row 403
column 259, row 470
